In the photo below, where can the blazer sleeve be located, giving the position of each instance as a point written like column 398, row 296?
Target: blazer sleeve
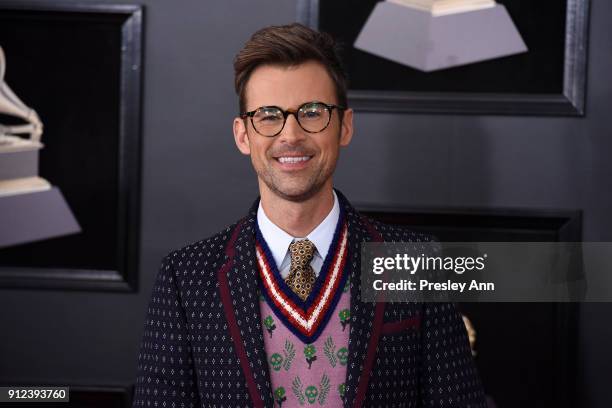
column 166, row 373
column 448, row 376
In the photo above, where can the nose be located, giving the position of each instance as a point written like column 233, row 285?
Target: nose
column 292, row 133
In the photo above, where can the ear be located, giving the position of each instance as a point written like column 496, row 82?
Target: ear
column 241, row 137
column 346, row 131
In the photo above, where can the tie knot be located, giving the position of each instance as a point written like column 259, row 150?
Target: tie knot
column 301, row 253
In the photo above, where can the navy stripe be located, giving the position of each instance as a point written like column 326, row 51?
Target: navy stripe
column 304, row 305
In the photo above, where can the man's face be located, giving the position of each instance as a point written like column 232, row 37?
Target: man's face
column 295, row 164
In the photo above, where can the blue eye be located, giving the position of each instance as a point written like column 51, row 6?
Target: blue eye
column 312, row 114
column 268, row 115
column 313, row 111
column 270, row 118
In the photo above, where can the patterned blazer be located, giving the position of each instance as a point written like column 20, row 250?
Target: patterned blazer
column 203, row 341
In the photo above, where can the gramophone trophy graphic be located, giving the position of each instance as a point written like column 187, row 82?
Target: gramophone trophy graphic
column 31, row 209
column 430, row 35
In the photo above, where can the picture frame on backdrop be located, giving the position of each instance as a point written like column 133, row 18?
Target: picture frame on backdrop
column 79, row 65
column 548, row 79
column 526, row 353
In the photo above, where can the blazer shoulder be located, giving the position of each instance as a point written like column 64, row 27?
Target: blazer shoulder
column 398, row 233
column 210, row 248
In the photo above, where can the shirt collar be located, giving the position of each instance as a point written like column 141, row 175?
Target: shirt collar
column 278, row 240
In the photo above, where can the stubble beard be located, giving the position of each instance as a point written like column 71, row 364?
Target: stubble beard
column 296, row 190
column 277, row 183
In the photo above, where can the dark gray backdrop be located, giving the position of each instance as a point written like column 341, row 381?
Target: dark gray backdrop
column 194, row 182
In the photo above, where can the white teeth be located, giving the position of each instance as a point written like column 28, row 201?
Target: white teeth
column 293, row 159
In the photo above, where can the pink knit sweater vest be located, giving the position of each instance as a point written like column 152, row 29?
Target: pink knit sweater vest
column 308, row 374
column 306, row 342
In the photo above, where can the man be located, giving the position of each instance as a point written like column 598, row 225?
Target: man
column 268, row 312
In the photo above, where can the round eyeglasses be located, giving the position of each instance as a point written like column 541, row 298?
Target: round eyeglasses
column 313, row 117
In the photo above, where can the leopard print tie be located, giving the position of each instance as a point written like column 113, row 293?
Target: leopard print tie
column 301, row 277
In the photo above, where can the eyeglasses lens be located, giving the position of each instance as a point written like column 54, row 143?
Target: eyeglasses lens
column 312, row 117
column 268, row 121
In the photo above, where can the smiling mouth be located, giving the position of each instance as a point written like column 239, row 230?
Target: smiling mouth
column 293, row 159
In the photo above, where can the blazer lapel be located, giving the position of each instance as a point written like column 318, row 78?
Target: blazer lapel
column 238, row 282
column 366, row 318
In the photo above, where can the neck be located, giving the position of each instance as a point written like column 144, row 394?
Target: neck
column 298, row 219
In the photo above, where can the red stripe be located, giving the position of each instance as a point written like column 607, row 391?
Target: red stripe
column 279, row 306
column 328, row 277
column 394, row 327
column 372, row 345
column 231, row 319
column 277, row 303
column 274, row 300
column 328, row 304
column 274, row 284
column 284, row 311
column 371, row 353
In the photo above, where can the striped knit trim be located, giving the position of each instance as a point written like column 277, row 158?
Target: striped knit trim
column 306, row 324
column 303, row 304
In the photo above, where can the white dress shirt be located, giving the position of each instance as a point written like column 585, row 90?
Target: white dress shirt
column 278, row 240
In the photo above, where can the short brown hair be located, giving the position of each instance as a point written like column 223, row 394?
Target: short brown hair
column 289, row 45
